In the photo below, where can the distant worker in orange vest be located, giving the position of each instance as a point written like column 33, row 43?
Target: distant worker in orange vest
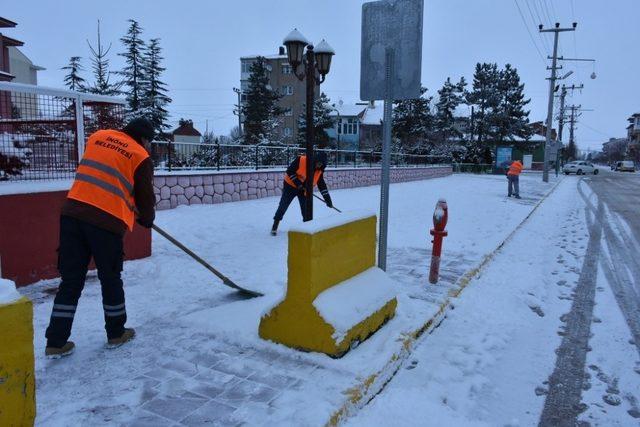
column 294, row 186
column 513, row 175
column 113, row 188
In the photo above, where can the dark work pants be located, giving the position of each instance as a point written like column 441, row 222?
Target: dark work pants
column 79, row 241
column 514, row 185
column 288, row 194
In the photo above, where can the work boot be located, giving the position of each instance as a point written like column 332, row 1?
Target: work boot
column 518, row 197
column 127, row 336
column 274, row 228
column 58, row 352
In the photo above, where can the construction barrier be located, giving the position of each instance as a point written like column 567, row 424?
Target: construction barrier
column 17, row 380
column 335, row 297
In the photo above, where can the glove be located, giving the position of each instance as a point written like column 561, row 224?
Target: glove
column 145, row 224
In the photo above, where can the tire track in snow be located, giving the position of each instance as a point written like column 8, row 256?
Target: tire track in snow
column 563, row 403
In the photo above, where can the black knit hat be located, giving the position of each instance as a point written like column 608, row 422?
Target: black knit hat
column 139, row 128
column 321, row 157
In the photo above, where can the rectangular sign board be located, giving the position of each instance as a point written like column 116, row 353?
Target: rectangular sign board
column 396, row 26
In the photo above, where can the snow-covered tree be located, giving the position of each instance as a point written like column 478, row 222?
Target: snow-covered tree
column 511, row 118
column 154, row 98
column 322, row 121
column 261, row 112
column 102, row 84
column 486, row 97
column 72, row 79
column 450, row 96
column 133, row 71
column 413, row 123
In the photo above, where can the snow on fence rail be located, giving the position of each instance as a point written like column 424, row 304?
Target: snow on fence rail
column 40, row 128
column 193, row 156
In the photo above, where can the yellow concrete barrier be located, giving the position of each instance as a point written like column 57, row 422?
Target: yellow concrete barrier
column 335, row 294
column 17, row 380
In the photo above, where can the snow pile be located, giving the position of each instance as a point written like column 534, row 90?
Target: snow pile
column 8, row 293
column 322, row 224
column 352, row 301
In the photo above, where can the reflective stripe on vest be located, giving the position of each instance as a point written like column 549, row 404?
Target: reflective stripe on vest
column 105, row 176
column 301, row 173
column 105, row 186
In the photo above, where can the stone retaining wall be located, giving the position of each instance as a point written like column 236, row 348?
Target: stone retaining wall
column 232, row 186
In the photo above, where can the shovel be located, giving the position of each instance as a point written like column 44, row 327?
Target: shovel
column 320, row 198
column 225, row 279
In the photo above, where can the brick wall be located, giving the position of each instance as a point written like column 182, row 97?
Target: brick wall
column 221, row 187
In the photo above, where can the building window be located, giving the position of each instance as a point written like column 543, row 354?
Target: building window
column 350, row 126
column 246, row 66
column 288, row 112
column 287, row 90
column 286, row 69
column 287, row 132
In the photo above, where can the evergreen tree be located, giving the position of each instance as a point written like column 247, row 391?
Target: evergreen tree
column 73, row 80
column 133, row 71
column 571, row 152
column 154, row 98
column 450, row 96
column 322, row 121
column 260, row 111
column 100, row 65
column 413, row 123
column 486, row 96
column 511, row 119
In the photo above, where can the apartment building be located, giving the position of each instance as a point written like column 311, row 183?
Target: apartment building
column 283, row 80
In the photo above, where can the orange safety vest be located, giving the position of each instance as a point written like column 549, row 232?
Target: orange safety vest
column 105, row 175
column 302, row 173
column 515, row 168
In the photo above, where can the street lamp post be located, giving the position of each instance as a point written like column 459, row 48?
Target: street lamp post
column 315, row 61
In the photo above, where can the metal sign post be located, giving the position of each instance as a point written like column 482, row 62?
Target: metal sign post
column 386, row 163
column 390, row 70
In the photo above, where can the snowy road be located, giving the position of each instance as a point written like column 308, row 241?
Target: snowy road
column 548, row 334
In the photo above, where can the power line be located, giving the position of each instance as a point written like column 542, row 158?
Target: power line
column 545, row 46
column 529, row 31
column 545, row 10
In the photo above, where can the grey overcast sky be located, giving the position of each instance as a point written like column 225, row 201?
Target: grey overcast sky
column 203, row 41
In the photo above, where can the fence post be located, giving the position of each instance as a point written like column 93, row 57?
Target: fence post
column 169, row 155
column 371, row 159
column 218, row 155
column 79, row 127
column 337, row 158
column 256, row 156
column 355, row 159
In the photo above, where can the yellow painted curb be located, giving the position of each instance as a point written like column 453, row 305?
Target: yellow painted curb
column 17, row 380
column 362, row 393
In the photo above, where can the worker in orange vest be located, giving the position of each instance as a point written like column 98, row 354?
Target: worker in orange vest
column 113, row 188
column 513, row 175
column 293, row 187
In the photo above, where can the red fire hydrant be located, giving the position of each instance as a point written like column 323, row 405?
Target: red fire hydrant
column 440, row 216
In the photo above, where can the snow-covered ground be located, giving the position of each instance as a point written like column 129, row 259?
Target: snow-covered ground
column 494, row 360
column 197, row 351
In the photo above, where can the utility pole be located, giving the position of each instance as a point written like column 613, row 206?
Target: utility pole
column 238, row 110
column 561, row 117
column 572, row 126
column 552, row 83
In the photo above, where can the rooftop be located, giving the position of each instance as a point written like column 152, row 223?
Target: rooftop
column 6, row 23
column 186, row 129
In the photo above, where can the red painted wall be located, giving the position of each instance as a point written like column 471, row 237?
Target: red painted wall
column 29, row 227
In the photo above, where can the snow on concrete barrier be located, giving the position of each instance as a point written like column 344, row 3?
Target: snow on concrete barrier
column 17, row 382
column 335, row 297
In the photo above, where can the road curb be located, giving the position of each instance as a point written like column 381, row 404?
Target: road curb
column 364, row 392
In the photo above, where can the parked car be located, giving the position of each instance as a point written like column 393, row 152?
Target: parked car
column 580, row 168
column 625, row 166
